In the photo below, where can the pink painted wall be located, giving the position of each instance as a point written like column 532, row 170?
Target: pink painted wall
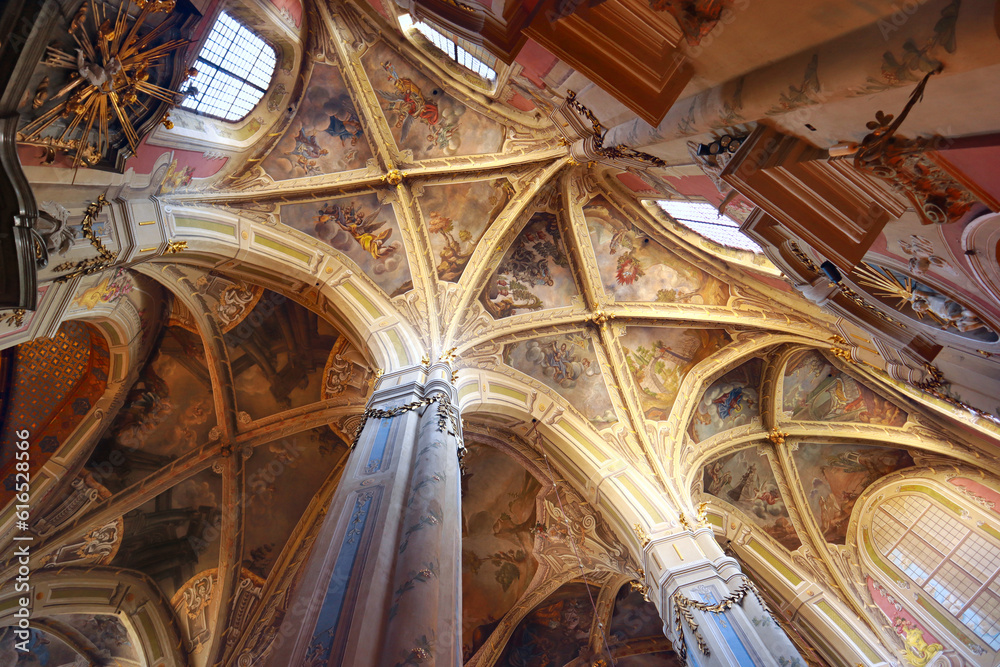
column 294, row 8
column 890, row 611
column 980, row 490
column 147, row 155
column 536, row 61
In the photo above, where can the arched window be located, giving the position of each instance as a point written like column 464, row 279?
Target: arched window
column 955, row 563
column 470, row 56
column 235, row 67
column 703, row 218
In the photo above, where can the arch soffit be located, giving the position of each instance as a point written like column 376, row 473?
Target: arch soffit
column 112, row 591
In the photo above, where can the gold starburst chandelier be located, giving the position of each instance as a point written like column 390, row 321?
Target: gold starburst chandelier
column 109, row 80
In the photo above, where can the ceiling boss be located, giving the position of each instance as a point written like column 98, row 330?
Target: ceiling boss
column 115, row 73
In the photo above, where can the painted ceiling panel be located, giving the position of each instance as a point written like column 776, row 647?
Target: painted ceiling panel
column 815, row 390
column 732, row 400
column 568, row 364
column 109, row 635
column 833, row 476
column 44, row 650
column 421, row 116
column 167, row 412
column 277, row 355
column 282, row 478
column 457, row 216
column 228, row 301
column 555, row 632
column 746, row 481
column 634, row 267
column 534, row 273
column 659, row 358
column 361, row 228
column 326, row 136
column 498, row 521
column 176, row 535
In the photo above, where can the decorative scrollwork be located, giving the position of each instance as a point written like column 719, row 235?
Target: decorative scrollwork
column 619, row 152
column 105, row 258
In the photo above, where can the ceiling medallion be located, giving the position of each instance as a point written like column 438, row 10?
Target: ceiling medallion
column 108, row 81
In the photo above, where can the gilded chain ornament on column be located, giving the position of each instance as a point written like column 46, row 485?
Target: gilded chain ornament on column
column 447, row 423
column 685, row 604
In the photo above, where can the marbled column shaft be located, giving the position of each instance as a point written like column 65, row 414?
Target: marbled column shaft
column 382, row 586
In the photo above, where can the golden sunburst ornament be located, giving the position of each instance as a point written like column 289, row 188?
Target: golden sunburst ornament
column 109, row 77
column 885, row 284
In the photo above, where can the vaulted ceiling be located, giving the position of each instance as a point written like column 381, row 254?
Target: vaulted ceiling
column 591, row 332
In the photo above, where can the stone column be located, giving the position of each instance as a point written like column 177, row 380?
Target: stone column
column 382, row 586
column 688, row 570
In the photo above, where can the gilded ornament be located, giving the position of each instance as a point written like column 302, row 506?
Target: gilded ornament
column 15, row 318
column 777, row 437
column 393, row 177
column 111, row 71
column 641, row 534
column 174, row 247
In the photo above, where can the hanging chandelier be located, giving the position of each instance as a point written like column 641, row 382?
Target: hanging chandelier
column 110, row 81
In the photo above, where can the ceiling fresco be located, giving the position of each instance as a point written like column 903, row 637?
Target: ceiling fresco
column 362, row 228
column 815, row 390
column 498, row 535
column 109, row 635
column 278, row 354
column 568, row 364
column 168, row 411
column 551, row 283
column 44, row 650
column 534, row 274
column 732, row 400
column 283, row 477
column 457, row 215
column 746, row 481
column 326, row 136
column 556, row 631
column 834, row 476
column 175, row 535
column 634, row 267
column 422, row 117
column 659, row 358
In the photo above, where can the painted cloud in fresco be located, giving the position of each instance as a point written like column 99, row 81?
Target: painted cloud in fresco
column 326, row 135
column 814, row 390
column 568, row 364
column 730, row 401
column 745, row 480
column 534, row 273
column 634, row 267
column 659, row 358
column 361, row 228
